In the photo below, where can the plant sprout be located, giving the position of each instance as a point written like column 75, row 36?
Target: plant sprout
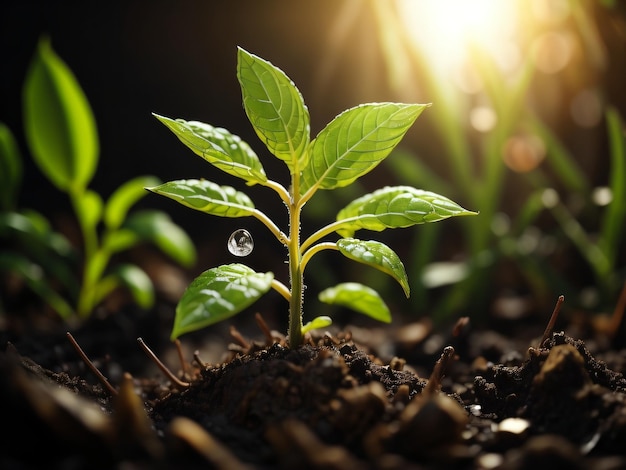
column 350, row 146
column 62, row 136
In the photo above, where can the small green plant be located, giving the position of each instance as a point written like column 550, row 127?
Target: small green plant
column 350, row 146
column 61, row 133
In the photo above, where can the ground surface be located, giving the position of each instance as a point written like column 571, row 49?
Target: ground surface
column 401, row 398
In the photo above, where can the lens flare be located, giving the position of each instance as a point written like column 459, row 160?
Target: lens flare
column 445, row 30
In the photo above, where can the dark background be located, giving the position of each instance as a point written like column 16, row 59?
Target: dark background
column 178, row 59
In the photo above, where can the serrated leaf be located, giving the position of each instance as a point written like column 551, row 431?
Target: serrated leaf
column 317, row 323
column 158, row 228
column 378, row 255
column 10, row 168
column 219, row 147
column 124, row 197
column 205, row 196
column 357, row 297
column 355, row 142
column 396, row 207
column 59, row 124
column 217, row 294
column 275, row 108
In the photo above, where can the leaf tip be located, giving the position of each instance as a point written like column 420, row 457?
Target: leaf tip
column 241, row 52
column 161, row 118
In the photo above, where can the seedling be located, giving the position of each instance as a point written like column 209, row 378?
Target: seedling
column 62, row 136
column 350, row 146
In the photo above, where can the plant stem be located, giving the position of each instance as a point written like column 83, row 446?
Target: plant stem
column 280, row 189
column 280, row 236
column 326, row 230
column 282, row 289
column 295, row 277
column 86, row 294
column 315, row 249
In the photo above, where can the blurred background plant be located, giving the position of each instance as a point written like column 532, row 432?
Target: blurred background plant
column 493, row 67
column 525, row 127
column 63, row 140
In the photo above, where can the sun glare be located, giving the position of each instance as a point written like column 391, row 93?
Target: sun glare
column 445, row 30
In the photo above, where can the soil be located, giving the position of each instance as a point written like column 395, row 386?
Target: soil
column 409, row 396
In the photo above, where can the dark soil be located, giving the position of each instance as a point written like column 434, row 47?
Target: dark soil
column 397, row 398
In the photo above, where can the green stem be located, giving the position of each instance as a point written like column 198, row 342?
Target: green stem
column 295, row 204
column 280, row 189
column 295, row 277
column 589, row 250
column 308, row 195
column 272, row 226
column 85, row 302
column 282, row 289
column 326, row 230
column 316, row 249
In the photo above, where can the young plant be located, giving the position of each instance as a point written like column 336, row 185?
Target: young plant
column 62, row 136
column 350, row 146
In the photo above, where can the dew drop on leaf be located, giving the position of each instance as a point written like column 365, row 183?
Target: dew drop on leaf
column 240, row 243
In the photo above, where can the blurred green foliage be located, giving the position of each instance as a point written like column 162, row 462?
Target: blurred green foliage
column 518, row 237
column 560, row 219
column 62, row 136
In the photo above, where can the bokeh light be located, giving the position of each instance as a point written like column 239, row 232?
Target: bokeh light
column 483, row 118
column 523, row 153
column 447, row 29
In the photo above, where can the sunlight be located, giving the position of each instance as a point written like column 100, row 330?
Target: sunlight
column 444, row 30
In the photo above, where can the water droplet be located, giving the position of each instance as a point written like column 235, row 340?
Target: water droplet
column 240, row 243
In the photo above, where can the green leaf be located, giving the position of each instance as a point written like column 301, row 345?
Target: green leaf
column 10, row 168
column 377, row 255
column 89, row 208
column 33, row 228
column 612, row 229
column 48, row 249
column 219, row 147
column 217, row 294
column 59, row 124
column 124, row 197
column 132, row 278
column 95, row 266
column 205, row 196
column 396, row 207
column 317, row 323
column 138, row 283
column 275, row 108
column 35, row 279
column 358, row 297
column 157, row 227
column 564, row 165
column 120, row 240
column 355, row 142
column 55, row 241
